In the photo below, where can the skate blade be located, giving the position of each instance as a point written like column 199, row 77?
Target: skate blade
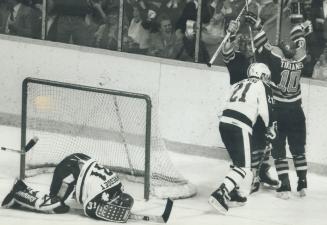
column 216, row 205
column 303, row 192
column 234, row 204
column 284, row 195
column 273, row 187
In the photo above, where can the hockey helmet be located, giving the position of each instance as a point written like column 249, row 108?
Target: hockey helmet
column 259, row 70
column 288, row 49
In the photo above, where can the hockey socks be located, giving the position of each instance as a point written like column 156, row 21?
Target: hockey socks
column 300, row 163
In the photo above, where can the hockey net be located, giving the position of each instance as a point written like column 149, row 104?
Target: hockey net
column 119, row 129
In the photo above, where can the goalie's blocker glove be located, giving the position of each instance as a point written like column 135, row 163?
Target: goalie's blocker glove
column 253, row 20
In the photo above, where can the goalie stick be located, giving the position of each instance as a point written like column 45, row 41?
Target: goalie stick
column 27, row 147
column 153, row 218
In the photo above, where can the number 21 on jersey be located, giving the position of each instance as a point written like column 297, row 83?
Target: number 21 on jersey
column 240, row 91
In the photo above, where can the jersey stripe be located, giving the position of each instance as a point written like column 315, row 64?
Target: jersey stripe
column 80, row 198
column 237, row 115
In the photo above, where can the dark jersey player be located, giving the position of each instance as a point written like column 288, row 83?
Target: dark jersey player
column 94, row 187
column 286, row 63
column 238, row 62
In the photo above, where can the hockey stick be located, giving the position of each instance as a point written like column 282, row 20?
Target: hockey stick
column 157, row 219
column 251, row 34
column 255, row 188
column 27, row 147
column 213, row 58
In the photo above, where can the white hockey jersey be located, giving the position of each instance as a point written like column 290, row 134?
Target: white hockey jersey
column 93, row 180
column 247, row 100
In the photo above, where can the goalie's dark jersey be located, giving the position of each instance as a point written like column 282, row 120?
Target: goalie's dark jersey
column 285, row 73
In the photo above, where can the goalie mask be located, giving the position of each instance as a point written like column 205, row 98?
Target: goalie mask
column 259, row 70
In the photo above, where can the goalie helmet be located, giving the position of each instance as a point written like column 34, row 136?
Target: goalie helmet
column 259, row 70
column 110, row 207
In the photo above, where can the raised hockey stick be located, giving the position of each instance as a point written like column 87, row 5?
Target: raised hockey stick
column 152, row 218
column 27, row 147
column 213, row 58
column 251, row 34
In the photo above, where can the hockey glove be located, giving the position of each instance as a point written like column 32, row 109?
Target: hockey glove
column 233, row 27
column 307, row 27
column 253, row 20
column 271, row 133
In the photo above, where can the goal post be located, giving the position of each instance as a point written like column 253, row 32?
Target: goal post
column 117, row 128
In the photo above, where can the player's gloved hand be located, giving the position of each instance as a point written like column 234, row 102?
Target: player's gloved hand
column 307, row 27
column 271, row 133
column 233, row 26
column 253, row 20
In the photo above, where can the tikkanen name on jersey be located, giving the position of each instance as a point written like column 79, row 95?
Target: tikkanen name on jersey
column 291, row 65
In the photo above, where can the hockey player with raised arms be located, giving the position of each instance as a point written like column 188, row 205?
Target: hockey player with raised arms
column 286, row 61
column 93, row 186
column 247, row 100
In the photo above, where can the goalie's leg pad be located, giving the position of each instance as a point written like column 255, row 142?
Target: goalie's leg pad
column 25, row 196
column 9, row 200
column 115, row 210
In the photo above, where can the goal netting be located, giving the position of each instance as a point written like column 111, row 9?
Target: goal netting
column 119, row 129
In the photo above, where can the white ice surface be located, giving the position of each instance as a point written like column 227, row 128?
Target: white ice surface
column 262, row 208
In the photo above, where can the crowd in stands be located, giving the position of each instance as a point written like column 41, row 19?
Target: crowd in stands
column 161, row 28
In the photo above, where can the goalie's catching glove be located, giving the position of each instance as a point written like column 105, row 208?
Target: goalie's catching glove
column 253, row 20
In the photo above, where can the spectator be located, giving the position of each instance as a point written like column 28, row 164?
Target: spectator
column 22, row 20
column 187, row 52
column 138, row 36
column 172, row 8
column 212, row 34
column 165, row 43
column 320, row 69
column 107, row 35
column 268, row 10
column 4, row 12
column 71, row 26
column 190, row 14
column 316, row 13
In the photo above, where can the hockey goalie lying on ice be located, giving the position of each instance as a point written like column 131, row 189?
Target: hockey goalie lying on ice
column 97, row 189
